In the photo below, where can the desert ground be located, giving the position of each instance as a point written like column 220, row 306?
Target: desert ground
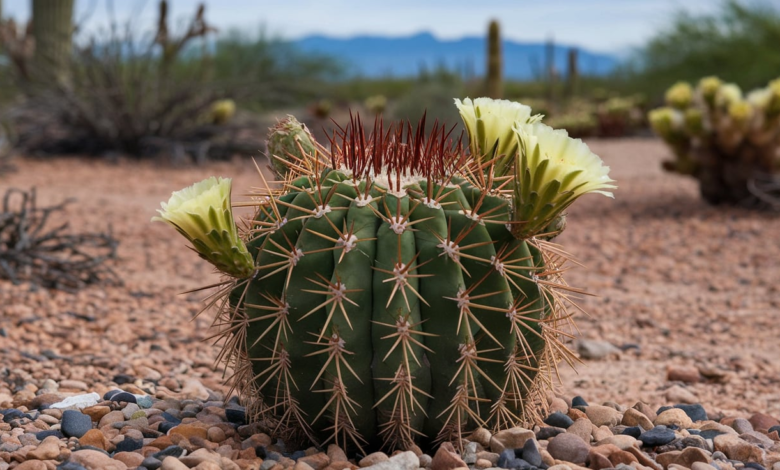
column 686, row 304
column 678, row 286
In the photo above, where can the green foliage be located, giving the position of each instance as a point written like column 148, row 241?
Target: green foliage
column 739, row 43
column 432, row 95
column 270, row 72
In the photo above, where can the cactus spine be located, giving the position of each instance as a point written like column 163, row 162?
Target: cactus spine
column 53, row 30
column 404, row 290
column 494, row 81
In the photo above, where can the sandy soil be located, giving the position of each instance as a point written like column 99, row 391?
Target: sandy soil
column 685, row 283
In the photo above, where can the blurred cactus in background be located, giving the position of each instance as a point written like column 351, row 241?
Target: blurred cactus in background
column 730, row 143
column 222, row 111
column 376, row 104
column 494, row 81
column 321, row 109
column 52, row 27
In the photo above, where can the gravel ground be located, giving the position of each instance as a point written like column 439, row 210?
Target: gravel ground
column 686, row 311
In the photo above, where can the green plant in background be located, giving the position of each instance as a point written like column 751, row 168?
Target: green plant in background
column 376, row 104
column 403, row 290
column 494, row 81
column 222, row 111
column 728, row 142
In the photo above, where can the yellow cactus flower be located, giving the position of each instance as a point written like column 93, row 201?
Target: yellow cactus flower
column 203, row 214
column 727, row 94
column 740, row 112
column 694, row 122
column 679, row 95
column 222, row 111
column 708, row 87
column 665, row 121
column 490, row 124
column 551, row 171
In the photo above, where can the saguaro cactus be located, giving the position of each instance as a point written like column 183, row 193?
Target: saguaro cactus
column 53, row 31
column 494, row 80
column 403, row 288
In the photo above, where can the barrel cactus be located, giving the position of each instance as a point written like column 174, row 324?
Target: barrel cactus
column 404, row 289
column 729, row 142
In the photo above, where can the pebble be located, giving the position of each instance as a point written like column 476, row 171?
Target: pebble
column 174, row 434
column 75, row 423
column 694, row 411
column 77, row 401
column 601, row 415
column 673, row 416
column 559, row 420
column 657, row 436
column 568, row 447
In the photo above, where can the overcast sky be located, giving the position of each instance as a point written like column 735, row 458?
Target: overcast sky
column 600, row 25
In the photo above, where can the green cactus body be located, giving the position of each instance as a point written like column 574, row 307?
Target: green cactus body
column 391, row 302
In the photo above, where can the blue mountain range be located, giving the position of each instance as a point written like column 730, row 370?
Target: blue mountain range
column 377, row 56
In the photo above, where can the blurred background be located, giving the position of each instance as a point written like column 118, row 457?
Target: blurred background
column 195, row 80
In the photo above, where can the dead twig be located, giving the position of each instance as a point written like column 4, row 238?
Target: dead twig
column 50, row 256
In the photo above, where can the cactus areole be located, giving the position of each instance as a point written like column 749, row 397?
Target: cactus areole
column 396, row 297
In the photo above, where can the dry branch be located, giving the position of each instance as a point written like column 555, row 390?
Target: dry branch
column 50, row 256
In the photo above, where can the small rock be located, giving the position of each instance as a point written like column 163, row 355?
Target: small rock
column 122, row 397
column 737, row 449
column 406, row 461
column 446, row 458
column 741, row 425
column 679, row 394
column 559, row 420
column 77, row 401
column 762, row 422
column 582, row 428
column 512, row 438
column 578, row 401
column 686, row 374
column 657, row 436
column 49, row 449
column 481, row 436
column 547, row 432
column 645, row 409
column 336, row 454
column 172, row 463
column 190, row 430
column 601, row 415
column 633, row 431
column 131, row 459
column 690, row 455
column 634, row 417
column 95, row 438
column 129, row 445
column 595, row 349
column 531, row 453
column 702, row 466
column 622, row 441
column 673, row 416
column 75, row 423
column 96, row 460
column 236, row 415
column 373, row 459
column 317, row 461
column 568, row 447
column 694, row 411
